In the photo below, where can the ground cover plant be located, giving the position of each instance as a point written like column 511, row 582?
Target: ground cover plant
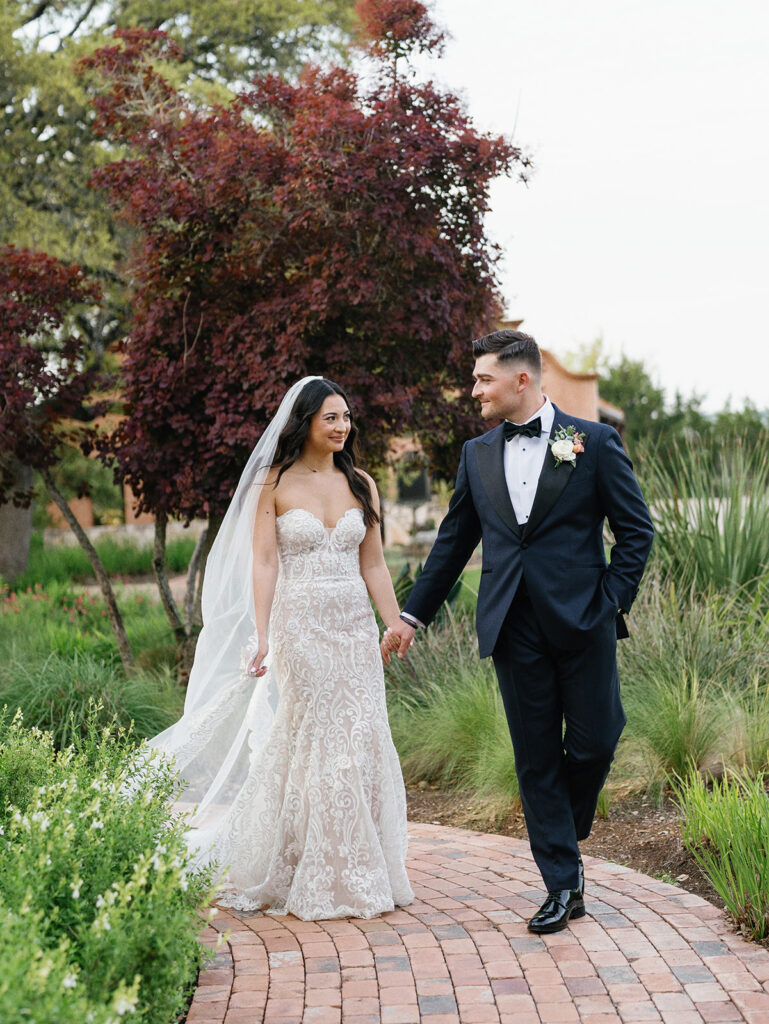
column 96, row 888
column 65, row 564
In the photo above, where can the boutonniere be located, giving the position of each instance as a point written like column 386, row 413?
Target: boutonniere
column 566, row 444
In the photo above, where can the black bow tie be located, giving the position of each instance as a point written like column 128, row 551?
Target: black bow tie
column 531, row 429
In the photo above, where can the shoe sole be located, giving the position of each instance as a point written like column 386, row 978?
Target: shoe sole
column 577, row 912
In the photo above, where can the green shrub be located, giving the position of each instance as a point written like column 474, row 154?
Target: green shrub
column 726, row 830
column 100, row 878
column 710, row 505
column 40, row 985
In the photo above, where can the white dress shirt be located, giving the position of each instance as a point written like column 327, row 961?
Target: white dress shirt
column 524, row 459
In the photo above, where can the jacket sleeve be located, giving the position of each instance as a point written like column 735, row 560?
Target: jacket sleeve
column 629, row 520
column 457, row 538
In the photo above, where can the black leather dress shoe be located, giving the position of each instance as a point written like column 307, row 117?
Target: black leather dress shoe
column 556, row 911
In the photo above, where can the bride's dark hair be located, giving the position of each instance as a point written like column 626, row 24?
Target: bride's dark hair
column 294, row 434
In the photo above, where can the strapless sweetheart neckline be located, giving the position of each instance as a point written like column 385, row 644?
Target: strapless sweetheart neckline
column 344, row 515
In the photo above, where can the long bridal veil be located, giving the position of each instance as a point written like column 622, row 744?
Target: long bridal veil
column 227, row 713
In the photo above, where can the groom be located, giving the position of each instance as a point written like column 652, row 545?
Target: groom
column 536, row 490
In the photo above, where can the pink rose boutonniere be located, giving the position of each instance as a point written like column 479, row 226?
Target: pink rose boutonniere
column 566, row 444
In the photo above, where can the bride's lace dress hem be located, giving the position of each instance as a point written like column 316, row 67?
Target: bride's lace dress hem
column 238, row 901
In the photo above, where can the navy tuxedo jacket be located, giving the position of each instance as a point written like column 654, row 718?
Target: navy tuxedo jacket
column 560, row 549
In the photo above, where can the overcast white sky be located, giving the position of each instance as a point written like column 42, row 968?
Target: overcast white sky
column 647, row 217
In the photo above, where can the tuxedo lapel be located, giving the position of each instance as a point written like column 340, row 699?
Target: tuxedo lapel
column 489, row 452
column 552, row 480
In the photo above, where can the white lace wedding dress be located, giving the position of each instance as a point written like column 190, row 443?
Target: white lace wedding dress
column 318, row 829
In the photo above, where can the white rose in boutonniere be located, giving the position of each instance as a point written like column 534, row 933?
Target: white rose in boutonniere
column 566, row 444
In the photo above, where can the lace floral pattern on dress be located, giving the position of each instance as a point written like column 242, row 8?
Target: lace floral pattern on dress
column 319, row 828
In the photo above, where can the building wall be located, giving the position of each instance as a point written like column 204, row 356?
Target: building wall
column 574, row 393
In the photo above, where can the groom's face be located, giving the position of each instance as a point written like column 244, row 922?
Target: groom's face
column 498, row 387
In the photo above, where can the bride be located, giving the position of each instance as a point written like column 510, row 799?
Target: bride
column 293, row 782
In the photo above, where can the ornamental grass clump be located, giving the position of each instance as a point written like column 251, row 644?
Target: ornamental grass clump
column 99, row 874
column 690, row 674
column 59, row 695
column 447, row 717
column 726, row 830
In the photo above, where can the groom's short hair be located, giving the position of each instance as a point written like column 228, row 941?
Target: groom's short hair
column 508, row 345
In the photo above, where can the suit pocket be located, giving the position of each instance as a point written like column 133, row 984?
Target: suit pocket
column 484, row 571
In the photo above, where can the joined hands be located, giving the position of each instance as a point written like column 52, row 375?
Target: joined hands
column 397, row 639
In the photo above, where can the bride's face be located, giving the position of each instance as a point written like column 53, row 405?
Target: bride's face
column 330, row 425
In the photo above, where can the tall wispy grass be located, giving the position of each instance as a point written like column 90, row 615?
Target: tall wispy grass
column 695, row 685
column 447, row 717
column 694, row 676
column 57, row 656
column 57, row 696
column 710, row 505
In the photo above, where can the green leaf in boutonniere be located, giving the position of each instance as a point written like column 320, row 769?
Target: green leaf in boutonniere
column 566, row 444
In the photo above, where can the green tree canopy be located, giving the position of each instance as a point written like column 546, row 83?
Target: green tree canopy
column 649, row 419
column 48, row 149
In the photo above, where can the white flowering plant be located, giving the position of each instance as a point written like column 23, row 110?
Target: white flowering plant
column 99, row 873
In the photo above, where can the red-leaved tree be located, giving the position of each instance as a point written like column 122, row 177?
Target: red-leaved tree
column 331, row 225
column 45, row 387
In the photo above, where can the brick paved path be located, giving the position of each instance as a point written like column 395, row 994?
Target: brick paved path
column 461, row 954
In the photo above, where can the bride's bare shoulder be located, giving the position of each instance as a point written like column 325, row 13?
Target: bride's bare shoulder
column 267, row 499
column 369, row 480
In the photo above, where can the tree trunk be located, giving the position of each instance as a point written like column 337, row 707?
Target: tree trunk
column 161, row 575
column 214, row 522
column 115, row 618
column 194, row 596
column 184, row 636
column 192, row 576
column 15, row 532
column 185, row 630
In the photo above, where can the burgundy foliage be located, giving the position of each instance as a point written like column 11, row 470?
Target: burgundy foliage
column 42, row 380
column 324, row 227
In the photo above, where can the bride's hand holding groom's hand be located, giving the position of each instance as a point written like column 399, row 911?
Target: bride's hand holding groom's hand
column 397, row 639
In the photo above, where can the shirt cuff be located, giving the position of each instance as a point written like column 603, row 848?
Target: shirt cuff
column 412, row 620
